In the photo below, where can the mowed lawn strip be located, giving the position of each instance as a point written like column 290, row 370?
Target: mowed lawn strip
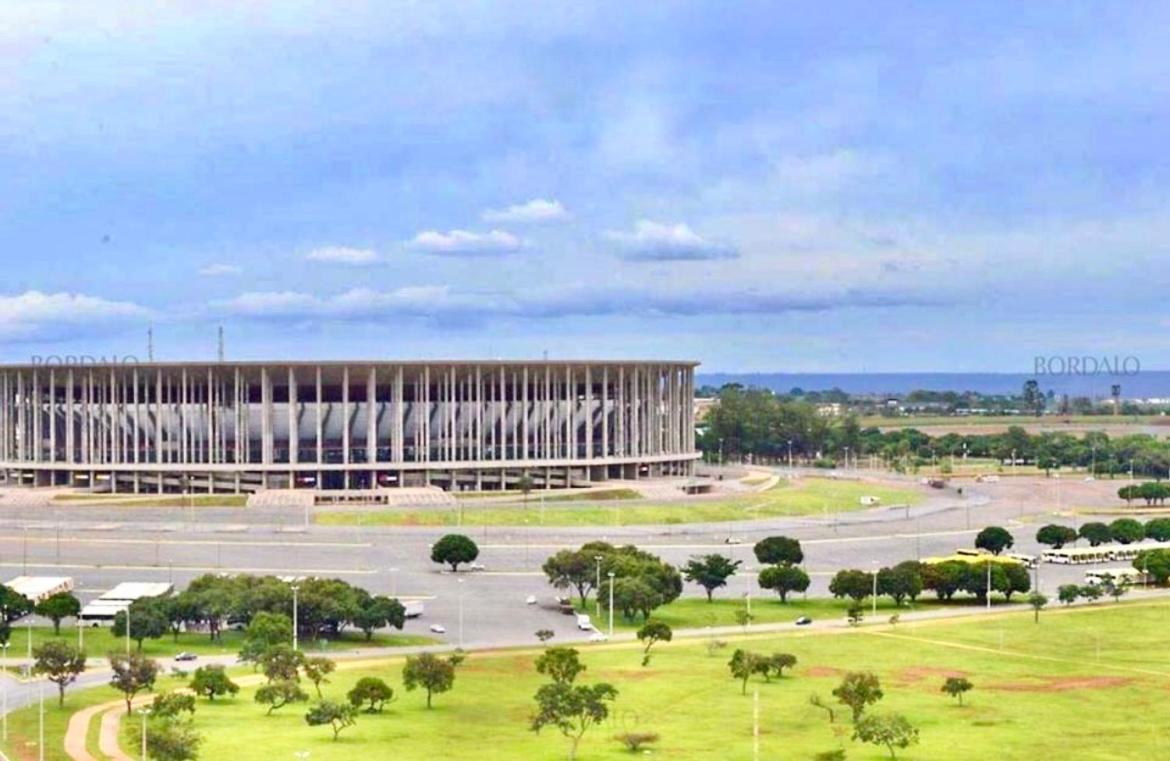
column 806, row 496
column 1041, row 696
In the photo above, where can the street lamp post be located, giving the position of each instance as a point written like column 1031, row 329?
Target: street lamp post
column 790, row 454
column 41, row 724
column 296, row 638
column 597, row 597
column 875, row 575
column 145, row 712
column 989, row 585
column 4, row 708
column 611, row 604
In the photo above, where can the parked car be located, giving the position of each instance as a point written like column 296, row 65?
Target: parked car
column 476, row 566
column 597, row 637
column 803, row 621
column 583, row 622
column 530, row 600
column 438, row 629
column 186, row 656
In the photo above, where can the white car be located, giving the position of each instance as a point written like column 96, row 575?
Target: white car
column 530, row 600
column 476, row 567
column 438, row 629
column 598, row 637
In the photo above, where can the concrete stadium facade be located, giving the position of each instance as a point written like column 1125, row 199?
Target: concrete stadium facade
column 239, row 427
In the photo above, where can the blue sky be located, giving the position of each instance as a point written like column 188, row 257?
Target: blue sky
column 758, row 186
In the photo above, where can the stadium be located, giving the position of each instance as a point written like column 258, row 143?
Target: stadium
column 243, row 427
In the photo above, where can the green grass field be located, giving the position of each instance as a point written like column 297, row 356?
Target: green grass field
column 99, row 641
column 696, row 612
column 1003, row 421
column 803, row 497
column 171, row 500
column 1073, row 685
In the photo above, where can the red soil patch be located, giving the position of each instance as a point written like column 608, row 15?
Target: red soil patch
column 918, row 673
column 1052, row 684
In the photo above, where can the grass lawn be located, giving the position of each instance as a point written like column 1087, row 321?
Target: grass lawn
column 99, row 641
column 1041, row 690
column 803, row 497
column 174, row 500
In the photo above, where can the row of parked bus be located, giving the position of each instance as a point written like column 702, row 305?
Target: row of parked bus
column 1102, row 554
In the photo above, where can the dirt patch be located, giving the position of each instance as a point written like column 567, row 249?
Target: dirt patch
column 918, row 673
column 1053, row 684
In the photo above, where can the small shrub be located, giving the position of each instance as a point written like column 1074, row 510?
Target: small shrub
column 636, row 741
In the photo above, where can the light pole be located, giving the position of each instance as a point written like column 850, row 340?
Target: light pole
column 296, row 638
column 460, row 613
column 989, row 585
column 4, row 708
column 127, row 630
column 611, row 604
column 41, row 724
column 790, row 454
column 597, row 598
column 80, row 633
column 875, row 575
column 145, row 712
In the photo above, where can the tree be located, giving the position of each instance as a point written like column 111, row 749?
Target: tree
column 783, row 579
column 339, row 716
column 891, row 730
column 742, row 665
column 1091, row 592
column 854, row 614
column 710, row 572
column 1127, row 530
column 776, row 663
column 280, row 663
column 1096, row 533
column 1158, row 529
column 1068, row 593
column 1056, row 536
column 13, row 604
column 169, row 738
column 858, row 689
column 378, row 612
column 524, row 484
column 60, row 662
column 572, row 709
column 1154, row 563
column 816, row 701
column 132, row 674
column 561, row 664
column 955, row 686
column 572, row 568
column 454, row 549
column 317, row 668
column 172, row 704
column 147, row 621
column 212, row 681
column 372, row 692
column 431, row 673
column 59, row 606
column 994, row 539
column 279, row 694
column 774, row 550
column 851, row 583
column 1037, row 601
column 945, row 578
column 902, row 582
column 265, row 631
column 544, row 635
column 651, row 633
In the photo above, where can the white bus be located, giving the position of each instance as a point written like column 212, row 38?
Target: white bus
column 1120, row 576
column 1078, row 555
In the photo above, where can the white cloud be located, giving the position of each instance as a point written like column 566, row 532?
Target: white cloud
column 34, row 314
column 536, row 210
column 463, row 242
column 343, row 255
column 219, row 270
column 655, row 241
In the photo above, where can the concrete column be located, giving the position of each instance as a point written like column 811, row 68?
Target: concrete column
column 294, row 426
column 372, row 416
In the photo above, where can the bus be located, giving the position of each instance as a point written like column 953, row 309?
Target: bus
column 1119, row 576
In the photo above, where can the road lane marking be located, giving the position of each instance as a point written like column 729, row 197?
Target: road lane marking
column 192, row 542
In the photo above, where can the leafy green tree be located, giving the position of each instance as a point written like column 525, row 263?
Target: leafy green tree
column 59, row 606
column 783, row 580
column 431, row 673
column 994, row 539
column 1037, row 601
column 852, row 583
column 955, row 686
column 168, row 738
column 774, row 550
column 280, row 663
column 651, row 633
column 147, row 621
column 454, row 550
column 1091, row 592
column 1068, row 593
column 775, row 664
column 637, row 742
column 902, row 582
column 265, row 631
column 59, row 662
column 131, row 675
column 1096, row 533
column 13, row 605
column 945, row 578
column 212, row 681
column 280, row 693
column 573, row 709
column 172, row 704
column 710, row 572
column 891, row 730
column 742, row 665
column 561, row 664
column 575, row 569
column 1056, row 536
column 1155, row 563
column 1127, row 530
column 338, row 716
column 378, row 612
column 317, row 668
column 857, row 691
column 371, row 692
column 1158, row 529
column 544, row 635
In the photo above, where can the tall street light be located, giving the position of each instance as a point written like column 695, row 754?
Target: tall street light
column 611, row 604
column 145, row 712
column 296, row 639
column 875, row 575
column 597, row 597
column 4, row 707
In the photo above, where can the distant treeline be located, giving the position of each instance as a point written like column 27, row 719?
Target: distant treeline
column 767, row 427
